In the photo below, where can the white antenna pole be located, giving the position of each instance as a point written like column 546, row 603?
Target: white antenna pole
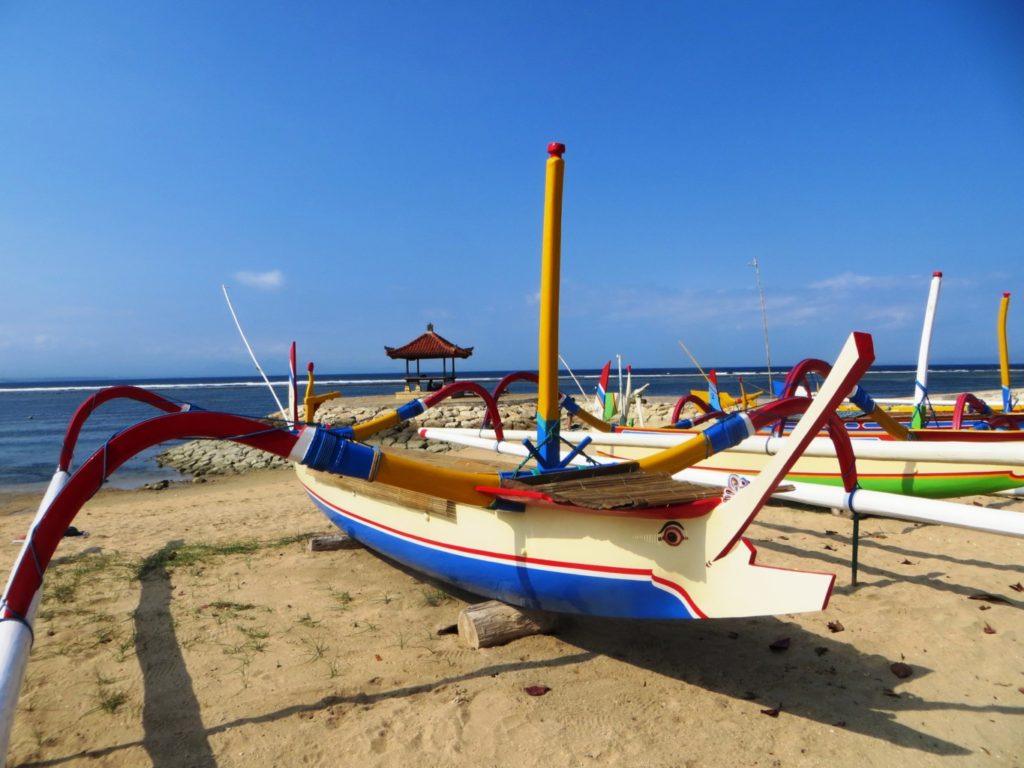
column 582, row 393
column 764, row 322
column 252, row 354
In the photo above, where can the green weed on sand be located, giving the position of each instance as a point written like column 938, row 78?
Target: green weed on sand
column 177, row 554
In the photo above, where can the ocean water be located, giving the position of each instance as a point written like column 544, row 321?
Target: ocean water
column 35, row 414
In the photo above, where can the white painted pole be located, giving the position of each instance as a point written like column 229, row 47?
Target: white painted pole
column 16, row 635
column 921, row 379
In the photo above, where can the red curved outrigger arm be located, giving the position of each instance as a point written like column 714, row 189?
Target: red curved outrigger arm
column 83, row 485
column 798, row 374
column 682, row 402
column 797, row 377
column 509, row 379
column 490, row 403
column 90, row 404
column 502, row 386
column 965, row 402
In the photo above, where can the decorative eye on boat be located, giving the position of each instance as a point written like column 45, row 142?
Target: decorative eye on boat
column 672, row 534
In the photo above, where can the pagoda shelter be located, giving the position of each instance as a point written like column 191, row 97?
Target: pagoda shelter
column 428, row 346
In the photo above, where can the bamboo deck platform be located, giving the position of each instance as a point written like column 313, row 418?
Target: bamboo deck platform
column 620, row 486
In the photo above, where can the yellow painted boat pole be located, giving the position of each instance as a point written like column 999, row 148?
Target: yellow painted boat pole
column 1004, row 354
column 548, row 401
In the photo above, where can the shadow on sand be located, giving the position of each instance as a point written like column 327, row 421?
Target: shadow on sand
column 172, row 722
column 817, row 678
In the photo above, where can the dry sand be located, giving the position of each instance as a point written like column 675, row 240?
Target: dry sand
column 256, row 652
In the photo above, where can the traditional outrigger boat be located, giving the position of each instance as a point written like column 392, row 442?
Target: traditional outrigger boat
column 624, row 540
column 616, row 541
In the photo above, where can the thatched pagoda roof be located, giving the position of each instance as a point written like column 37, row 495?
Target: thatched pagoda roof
column 429, row 345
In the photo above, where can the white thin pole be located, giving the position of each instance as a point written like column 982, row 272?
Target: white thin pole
column 583, row 394
column 252, row 354
column 921, row 380
column 764, row 323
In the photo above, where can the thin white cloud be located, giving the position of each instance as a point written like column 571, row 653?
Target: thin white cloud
column 845, row 281
column 852, row 281
column 85, row 311
column 893, row 316
column 267, row 281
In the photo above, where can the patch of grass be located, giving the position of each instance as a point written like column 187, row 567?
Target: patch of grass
column 229, row 606
column 105, row 635
column 236, row 650
column 109, row 700
column 435, row 597
column 317, row 648
column 255, row 638
column 177, row 554
column 308, row 621
column 226, row 611
column 343, row 599
column 66, row 574
column 253, row 633
column 125, row 648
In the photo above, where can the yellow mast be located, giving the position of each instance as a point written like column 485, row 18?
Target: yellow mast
column 1004, row 354
column 548, row 413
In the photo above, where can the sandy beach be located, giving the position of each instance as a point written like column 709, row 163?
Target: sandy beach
column 192, row 627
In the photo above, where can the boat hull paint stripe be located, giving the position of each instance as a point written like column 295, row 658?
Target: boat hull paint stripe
column 521, row 580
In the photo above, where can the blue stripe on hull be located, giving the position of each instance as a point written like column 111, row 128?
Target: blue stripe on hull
column 519, row 583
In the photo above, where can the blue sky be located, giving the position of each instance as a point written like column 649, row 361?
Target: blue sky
column 355, row 171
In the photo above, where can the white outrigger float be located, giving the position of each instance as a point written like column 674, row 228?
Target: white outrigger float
column 623, row 541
